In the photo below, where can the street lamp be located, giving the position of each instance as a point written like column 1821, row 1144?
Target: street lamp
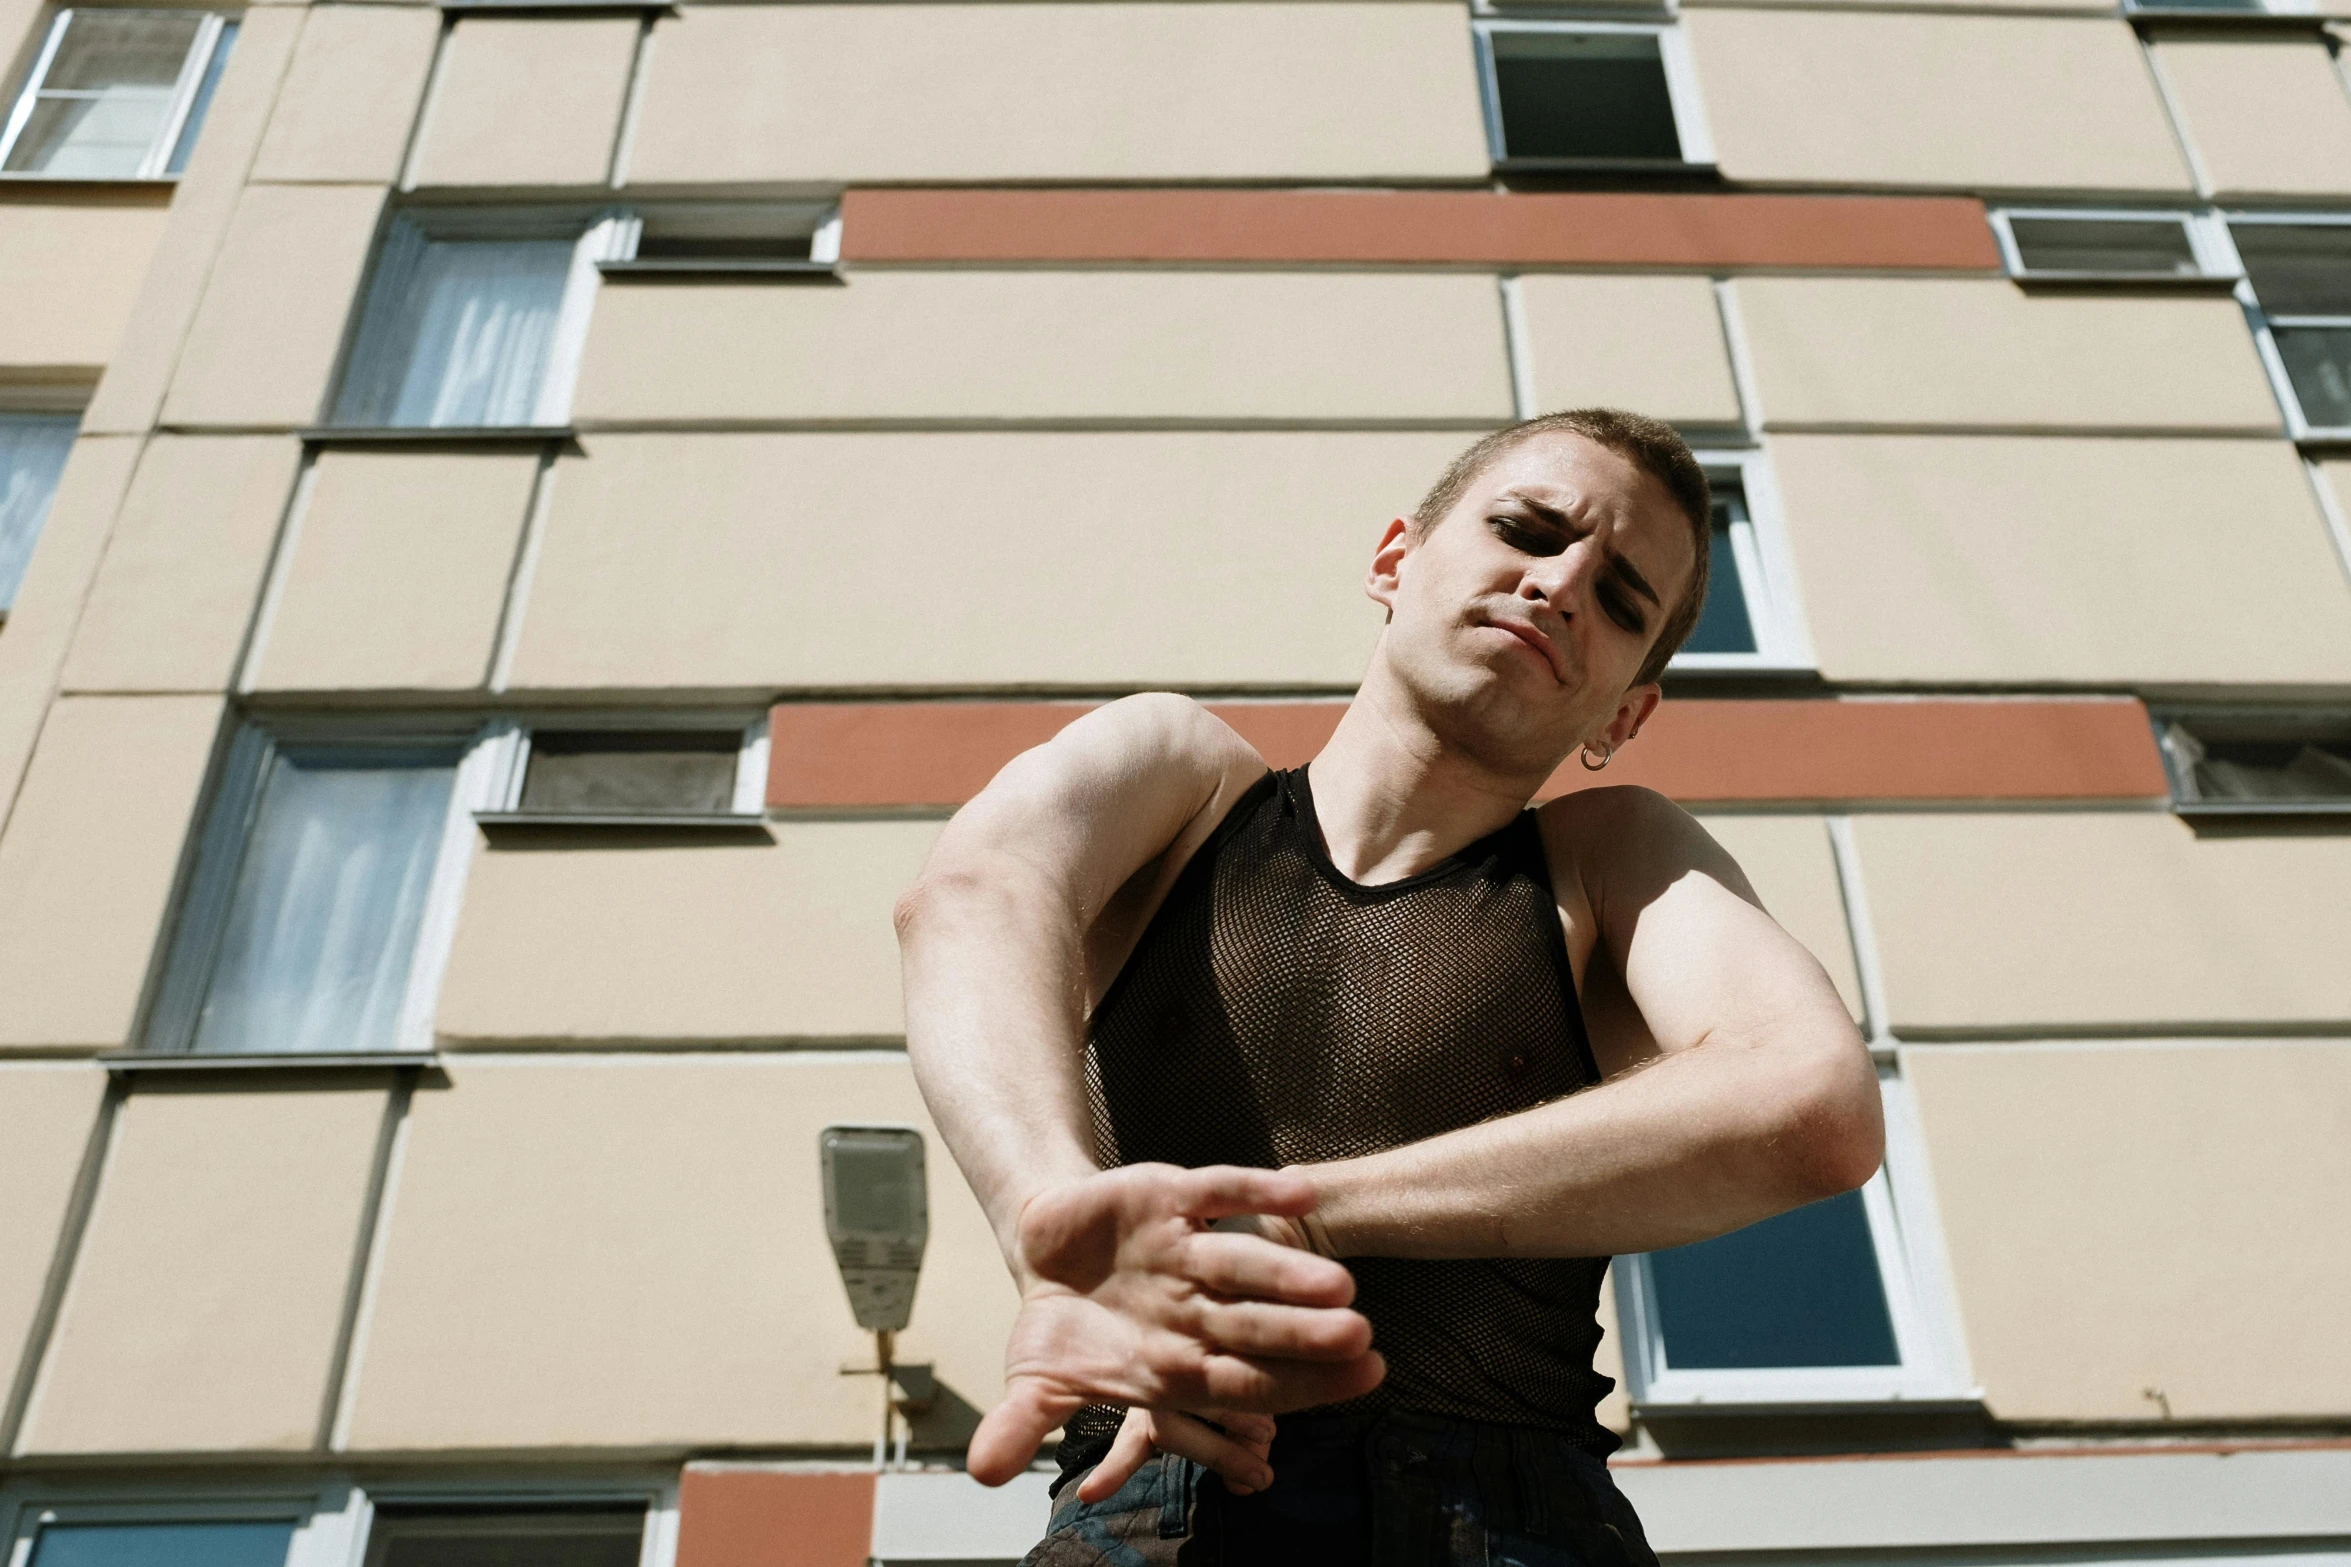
column 877, row 1216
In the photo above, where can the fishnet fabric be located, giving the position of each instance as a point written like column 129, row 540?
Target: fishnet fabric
column 1276, row 1013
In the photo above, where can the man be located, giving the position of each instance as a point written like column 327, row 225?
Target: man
column 1373, row 1010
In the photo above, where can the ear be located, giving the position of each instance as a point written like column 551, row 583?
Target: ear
column 1387, row 564
column 1631, row 714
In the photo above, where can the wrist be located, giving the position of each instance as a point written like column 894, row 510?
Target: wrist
column 1322, row 1237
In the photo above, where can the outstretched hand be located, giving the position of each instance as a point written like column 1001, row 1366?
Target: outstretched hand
column 1128, row 1297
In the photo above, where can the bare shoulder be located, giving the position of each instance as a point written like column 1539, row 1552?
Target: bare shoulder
column 1171, row 726
column 1623, row 836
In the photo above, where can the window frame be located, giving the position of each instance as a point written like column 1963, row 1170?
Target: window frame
column 2263, row 10
column 1681, row 88
column 155, row 166
column 42, row 403
column 600, row 234
column 824, row 246
column 2181, row 783
column 747, row 808
column 2264, row 324
column 187, row 968
column 2216, row 259
column 1907, row 1238
column 333, row 1517
column 1767, row 574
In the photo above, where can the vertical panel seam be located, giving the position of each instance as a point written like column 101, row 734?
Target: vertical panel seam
column 88, row 1177
column 2176, row 118
column 507, row 645
column 2331, row 509
column 1744, row 387
column 413, row 153
column 363, row 1252
column 632, row 104
column 1516, row 345
column 246, row 673
column 1861, row 929
column 341, row 1403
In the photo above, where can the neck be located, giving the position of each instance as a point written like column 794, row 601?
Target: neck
column 1394, row 799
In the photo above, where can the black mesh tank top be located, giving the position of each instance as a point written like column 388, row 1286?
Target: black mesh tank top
column 1276, row 1013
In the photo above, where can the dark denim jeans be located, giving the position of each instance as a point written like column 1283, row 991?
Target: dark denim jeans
column 1396, row 1490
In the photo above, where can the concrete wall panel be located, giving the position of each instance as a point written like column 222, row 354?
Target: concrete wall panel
column 1040, row 345
column 1995, row 102
column 206, row 1299
column 1232, row 558
column 70, row 275
column 266, row 338
column 1946, row 351
column 183, row 571
column 350, row 95
column 654, row 1272
column 399, row 571
column 40, row 627
column 2125, row 921
column 579, row 944
column 1146, row 90
column 1788, row 860
column 47, row 1109
column 2267, row 116
column 529, row 101
column 2142, row 1232
column 1943, row 558
column 88, row 862
column 1651, row 343
column 203, row 202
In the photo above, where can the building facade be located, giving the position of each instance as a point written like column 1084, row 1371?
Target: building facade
column 518, row 522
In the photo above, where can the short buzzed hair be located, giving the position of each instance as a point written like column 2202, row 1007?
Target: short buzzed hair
column 1652, row 446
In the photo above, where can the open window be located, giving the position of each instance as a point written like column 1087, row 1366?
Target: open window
column 476, row 319
column 1838, row 1303
column 2250, row 763
column 1750, row 620
column 2110, row 247
column 611, row 1535
column 325, row 890
column 680, row 772
column 785, row 239
column 116, row 93
column 2298, row 289
column 1590, row 96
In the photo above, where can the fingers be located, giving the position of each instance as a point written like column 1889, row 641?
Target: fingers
column 1011, row 1433
column 1260, row 1330
column 1247, row 1266
column 1277, row 1386
column 1217, row 1190
column 1128, row 1453
column 1242, row 1466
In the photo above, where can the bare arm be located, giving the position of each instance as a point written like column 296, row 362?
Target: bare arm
column 1751, row 1092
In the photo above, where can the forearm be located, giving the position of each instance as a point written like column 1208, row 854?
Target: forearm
column 995, row 1028
column 1697, row 1143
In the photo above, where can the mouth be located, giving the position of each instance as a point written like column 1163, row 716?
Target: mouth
column 1536, row 643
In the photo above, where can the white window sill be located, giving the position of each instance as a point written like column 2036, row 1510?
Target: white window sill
column 436, row 435
column 1671, row 167
column 772, row 271
column 262, row 1060
column 2263, row 810
column 659, row 821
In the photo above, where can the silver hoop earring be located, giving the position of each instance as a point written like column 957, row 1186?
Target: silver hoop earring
column 1607, row 754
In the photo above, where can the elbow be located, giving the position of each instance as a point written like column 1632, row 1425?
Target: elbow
column 1834, row 1137
column 936, row 895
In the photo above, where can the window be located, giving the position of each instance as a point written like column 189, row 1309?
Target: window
column 1749, row 620
column 2298, row 279
column 507, row 1537
column 116, row 94
column 1589, row 95
column 787, row 237
column 2258, row 763
column 475, row 321
column 222, row 1544
column 2063, row 246
column 33, row 449
column 323, row 894
column 678, row 774
column 1835, row 1302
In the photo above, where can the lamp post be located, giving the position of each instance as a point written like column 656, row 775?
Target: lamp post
column 877, row 1216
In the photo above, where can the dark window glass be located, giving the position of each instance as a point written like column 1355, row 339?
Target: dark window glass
column 1723, row 626
column 1583, row 95
column 582, row 1537
column 2298, row 269
column 1801, row 1289
column 2155, row 247
column 631, row 771
column 261, row 1543
column 2197, row 5
column 2241, row 762
column 2318, row 362
column 745, row 232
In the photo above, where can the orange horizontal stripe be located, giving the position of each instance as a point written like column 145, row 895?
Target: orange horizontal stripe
column 774, row 1518
column 1475, row 228
column 857, row 755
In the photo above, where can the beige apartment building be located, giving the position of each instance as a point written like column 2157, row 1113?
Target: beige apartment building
column 519, row 521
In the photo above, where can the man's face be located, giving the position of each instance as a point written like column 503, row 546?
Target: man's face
column 1520, row 620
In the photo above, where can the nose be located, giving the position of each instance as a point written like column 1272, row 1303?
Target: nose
column 1563, row 580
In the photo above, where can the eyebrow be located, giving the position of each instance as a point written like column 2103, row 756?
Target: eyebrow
column 1566, row 524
